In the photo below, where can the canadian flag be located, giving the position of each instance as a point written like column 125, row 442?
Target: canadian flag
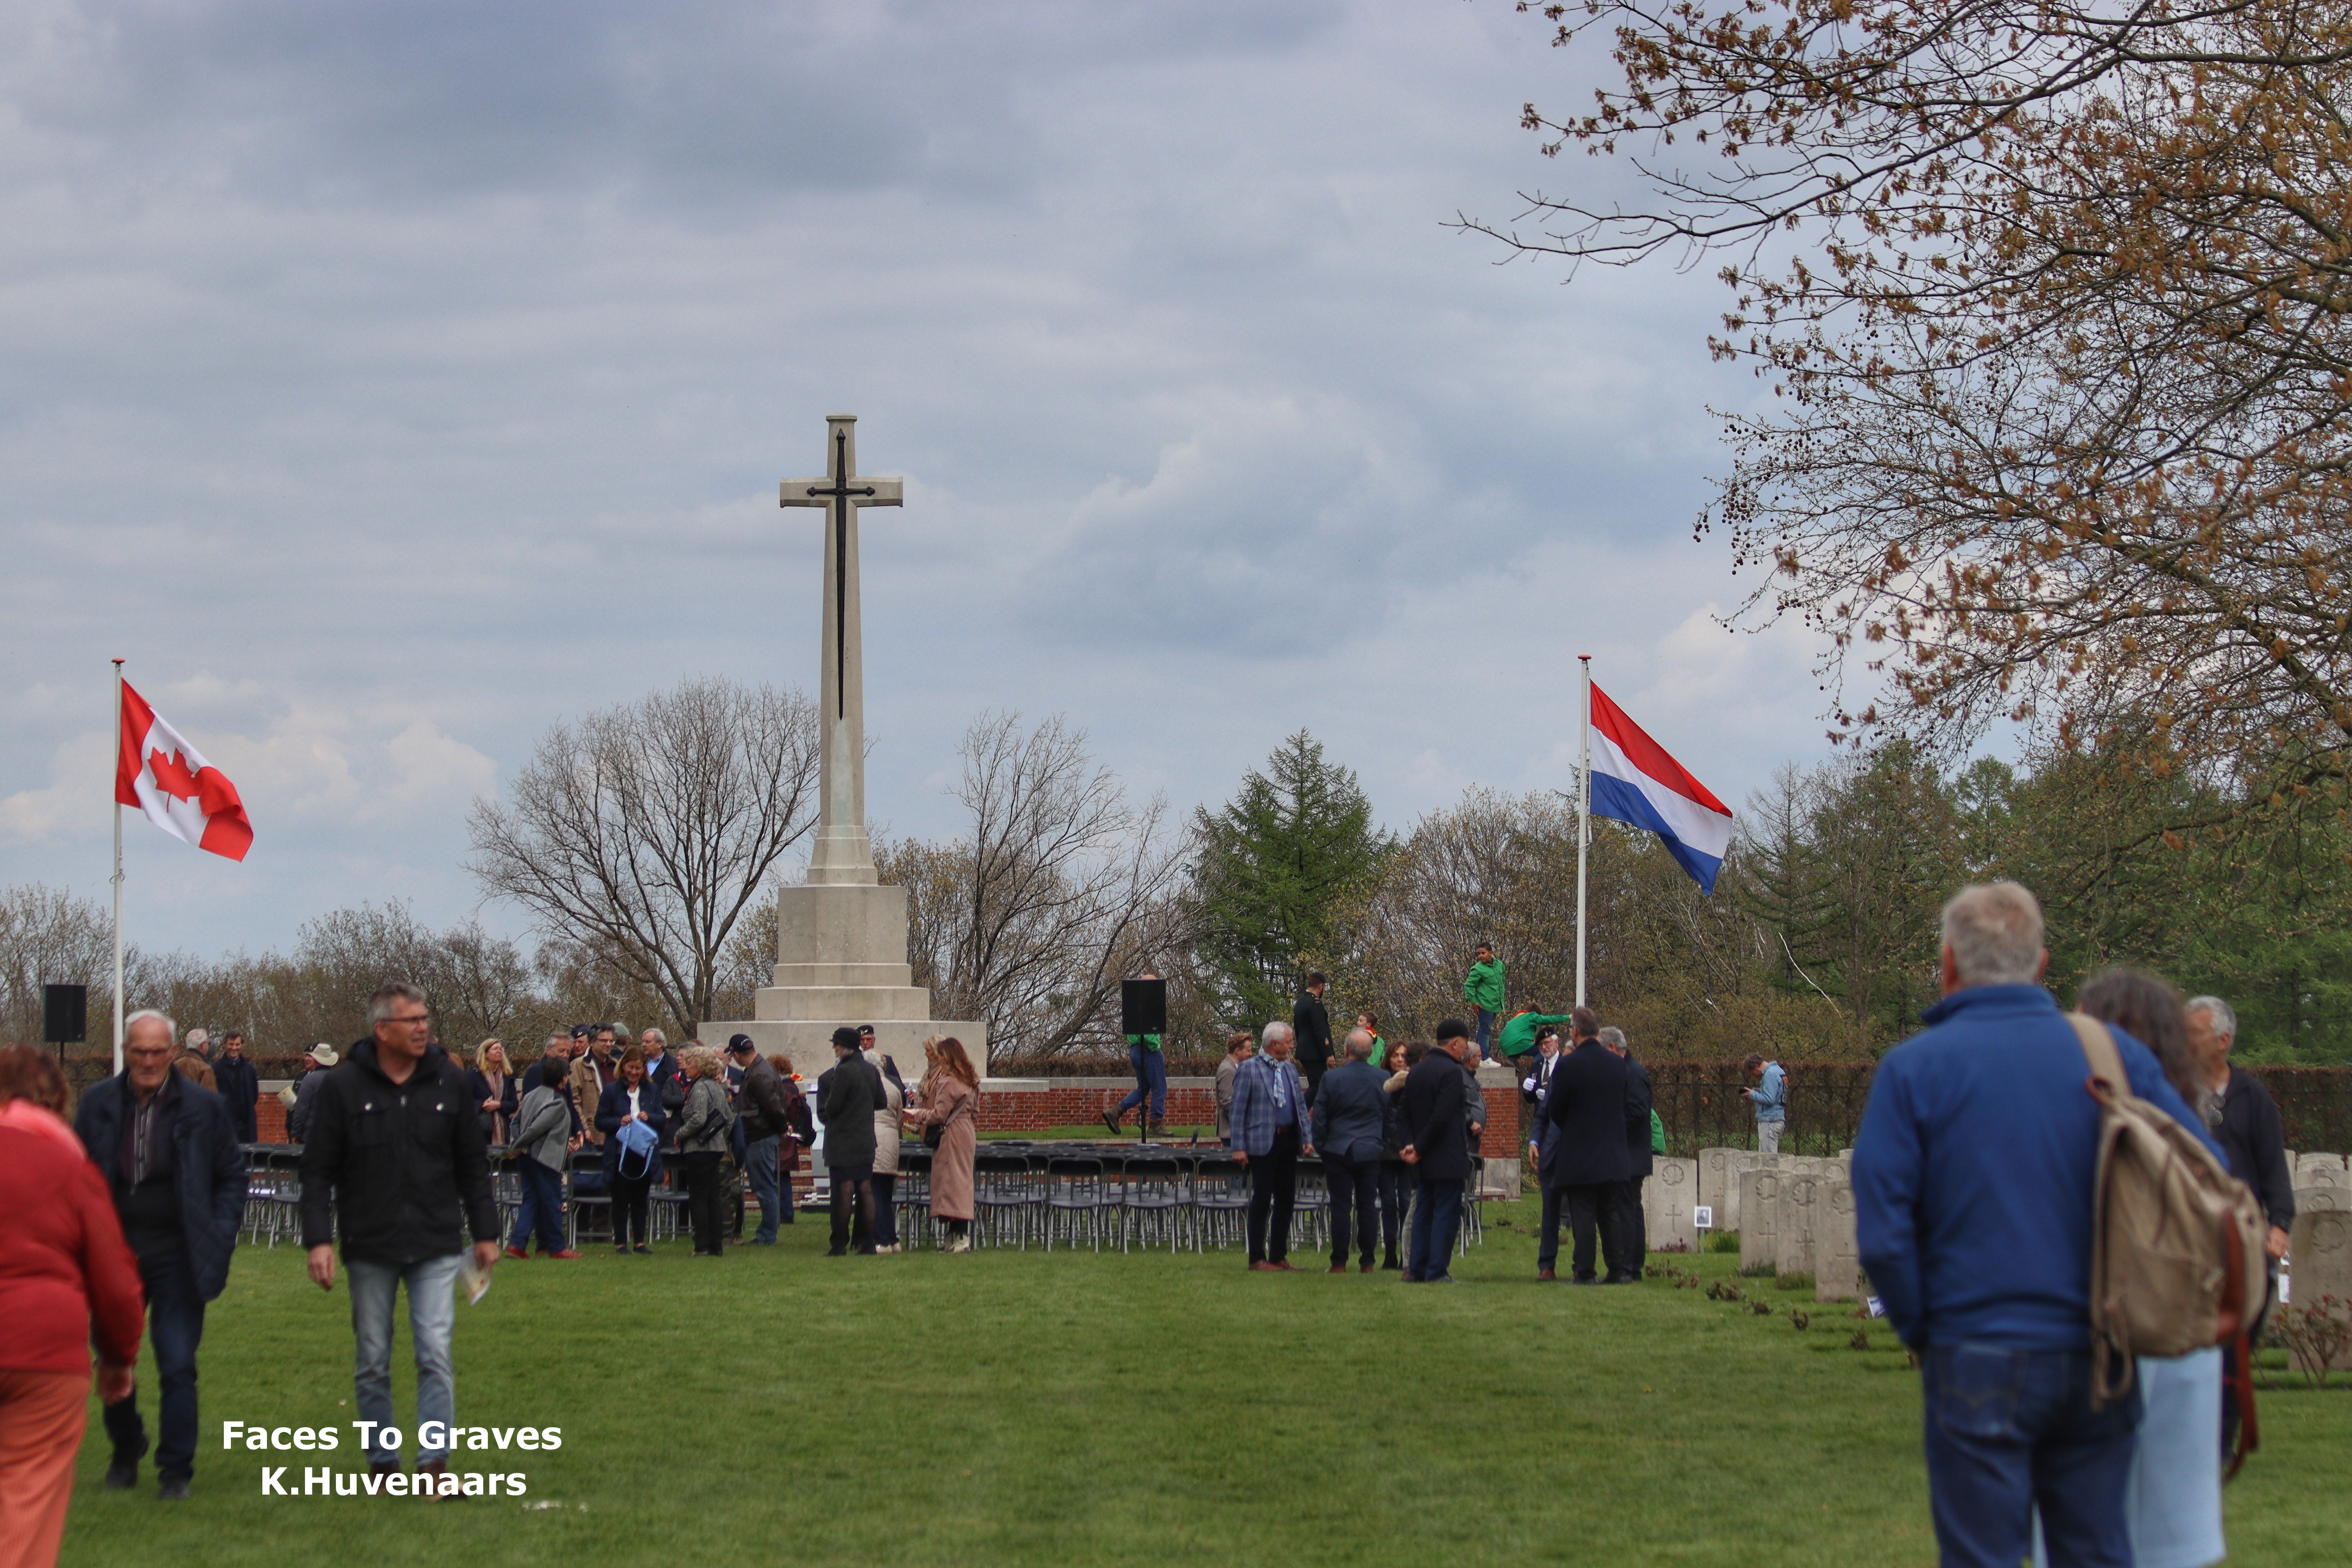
column 181, row 793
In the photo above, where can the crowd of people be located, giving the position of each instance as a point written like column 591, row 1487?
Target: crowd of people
column 1974, row 1175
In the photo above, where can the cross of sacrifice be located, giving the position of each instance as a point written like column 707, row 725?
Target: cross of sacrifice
column 842, row 492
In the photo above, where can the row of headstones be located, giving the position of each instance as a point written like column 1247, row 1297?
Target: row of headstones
column 1792, row 1211
column 1795, row 1214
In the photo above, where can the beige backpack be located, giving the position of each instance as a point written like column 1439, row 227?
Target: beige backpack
column 2176, row 1252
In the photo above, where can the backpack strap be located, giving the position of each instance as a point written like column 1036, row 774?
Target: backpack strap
column 2099, row 1050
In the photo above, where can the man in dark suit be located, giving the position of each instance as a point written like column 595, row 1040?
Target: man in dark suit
column 1351, row 1119
column 1629, row 1222
column 1437, row 1147
column 1310, row 1026
column 1587, row 1109
column 845, row 1099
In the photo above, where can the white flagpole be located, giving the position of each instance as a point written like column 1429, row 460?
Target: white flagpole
column 118, row 872
column 1583, row 802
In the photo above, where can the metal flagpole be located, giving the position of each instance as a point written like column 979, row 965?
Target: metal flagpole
column 1583, row 802
column 119, row 875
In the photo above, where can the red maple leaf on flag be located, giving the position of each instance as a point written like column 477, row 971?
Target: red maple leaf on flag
column 172, row 774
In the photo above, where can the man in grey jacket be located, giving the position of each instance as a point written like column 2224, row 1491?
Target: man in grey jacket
column 760, row 1107
column 1351, row 1118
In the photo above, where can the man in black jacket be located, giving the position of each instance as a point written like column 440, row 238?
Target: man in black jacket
column 1311, row 1031
column 847, row 1099
column 1437, row 1147
column 1351, row 1124
column 238, row 1084
column 1587, row 1109
column 1630, row 1224
column 2243, row 1118
column 761, row 1112
column 170, row 1157
column 396, row 1152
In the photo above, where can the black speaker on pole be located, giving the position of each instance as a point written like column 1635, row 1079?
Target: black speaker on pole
column 1143, row 1006
column 65, row 1013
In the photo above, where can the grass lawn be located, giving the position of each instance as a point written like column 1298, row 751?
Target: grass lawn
column 1027, row 1409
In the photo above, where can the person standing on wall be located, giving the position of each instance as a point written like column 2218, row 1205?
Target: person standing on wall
column 1150, row 1091
column 1311, row 1031
column 1483, row 989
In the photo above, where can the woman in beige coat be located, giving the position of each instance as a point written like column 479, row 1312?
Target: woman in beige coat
column 949, row 1100
column 889, row 1128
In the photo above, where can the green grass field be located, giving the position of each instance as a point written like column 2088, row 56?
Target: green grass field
column 1027, row 1409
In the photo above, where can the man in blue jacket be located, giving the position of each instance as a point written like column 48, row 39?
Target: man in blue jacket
column 1271, row 1129
column 169, row 1155
column 1351, row 1119
column 1972, row 1181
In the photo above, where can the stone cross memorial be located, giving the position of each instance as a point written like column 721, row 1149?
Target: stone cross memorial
column 841, row 939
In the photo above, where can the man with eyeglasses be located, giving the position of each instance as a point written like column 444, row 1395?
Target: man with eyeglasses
column 396, row 1155
column 170, row 1156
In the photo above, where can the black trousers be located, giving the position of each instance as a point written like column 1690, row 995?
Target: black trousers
column 1632, row 1229
column 1313, row 1072
column 706, row 1202
column 853, row 1190
column 1273, row 1193
column 632, row 1206
column 1593, row 1210
column 1396, row 1197
column 1548, row 1241
column 1355, row 1187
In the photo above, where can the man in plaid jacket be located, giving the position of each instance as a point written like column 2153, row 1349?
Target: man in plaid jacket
column 1271, row 1129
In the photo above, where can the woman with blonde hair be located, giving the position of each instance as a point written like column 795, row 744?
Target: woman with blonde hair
column 706, row 1123
column 498, row 1094
column 948, row 1102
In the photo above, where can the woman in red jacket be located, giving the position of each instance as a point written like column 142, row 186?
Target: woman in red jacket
column 66, row 1278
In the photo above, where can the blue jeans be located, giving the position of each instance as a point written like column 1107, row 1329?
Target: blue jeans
column 1486, row 1033
column 1151, row 1077
column 760, row 1164
column 542, row 1209
column 176, row 1326
column 2008, row 1428
column 1436, row 1214
column 432, row 1313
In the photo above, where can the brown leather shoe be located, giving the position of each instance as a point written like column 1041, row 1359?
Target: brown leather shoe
column 1337, row 1269
column 434, row 1467
column 1365, row 1267
column 1262, row 1266
column 1288, row 1267
column 1546, row 1275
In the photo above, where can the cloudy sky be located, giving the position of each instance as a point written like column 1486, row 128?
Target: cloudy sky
column 387, row 381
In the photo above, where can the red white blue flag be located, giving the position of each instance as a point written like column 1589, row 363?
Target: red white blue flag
column 1635, row 783
column 181, row 793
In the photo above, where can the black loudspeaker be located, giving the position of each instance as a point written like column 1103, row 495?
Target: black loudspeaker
column 1143, row 1006
column 65, row 1013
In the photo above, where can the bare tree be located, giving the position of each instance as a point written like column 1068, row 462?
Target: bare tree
column 647, row 831
column 1061, row 888
column 49, row 936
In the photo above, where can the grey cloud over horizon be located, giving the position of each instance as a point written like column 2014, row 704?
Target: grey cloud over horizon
column 390, row 382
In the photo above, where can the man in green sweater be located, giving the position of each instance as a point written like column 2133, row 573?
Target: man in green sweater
column 1484, row 991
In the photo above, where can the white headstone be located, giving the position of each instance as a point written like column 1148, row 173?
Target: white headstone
column 1667, row 1199
column 2320, row 1249
column 2309, row 1198
column 1801, row 1195
column 1714, row 1168
column 2321, row 1171
column 1760, row 1218
column 1837, row 1256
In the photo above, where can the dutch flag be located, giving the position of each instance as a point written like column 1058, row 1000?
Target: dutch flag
column 1635, row 783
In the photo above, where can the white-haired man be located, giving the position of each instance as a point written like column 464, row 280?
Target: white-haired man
column 1972, row 1181
column 1271, row 1129
column 170, row 1156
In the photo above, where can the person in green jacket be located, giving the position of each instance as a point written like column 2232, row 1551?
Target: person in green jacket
column 1371, row 1024
column 1517, row 1037
column 1483, row 989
